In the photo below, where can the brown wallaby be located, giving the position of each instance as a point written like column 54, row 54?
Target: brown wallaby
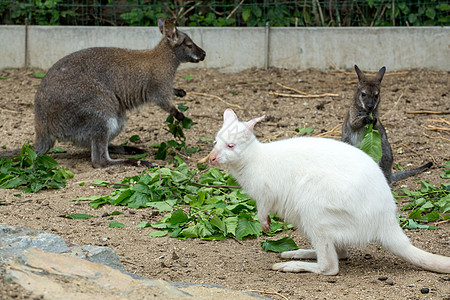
column 85, row 96
column 366, row 101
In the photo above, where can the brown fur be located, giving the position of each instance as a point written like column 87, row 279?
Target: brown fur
column 85, row 96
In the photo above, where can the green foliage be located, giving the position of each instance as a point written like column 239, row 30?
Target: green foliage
column 279, row 245
column 143, row 16
column 429, row 204
column 178, row 143
column 446, row 174
column 371, row 142
column 206, row 205
column 33, row 171
column 257, row 13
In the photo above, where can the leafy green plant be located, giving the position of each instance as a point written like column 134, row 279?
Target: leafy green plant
column 208, row 205
column 33, row 171
column 428, row 204
column 177, row 145
column 371, row 142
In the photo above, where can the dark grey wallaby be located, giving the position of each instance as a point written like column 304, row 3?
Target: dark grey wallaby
column 85, row 96
column 366, row 101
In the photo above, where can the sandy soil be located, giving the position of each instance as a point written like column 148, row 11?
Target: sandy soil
column 369, row 273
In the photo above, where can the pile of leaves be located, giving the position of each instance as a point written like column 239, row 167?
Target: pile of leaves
column 428, row 204
column 34, row 172
column 208, row 205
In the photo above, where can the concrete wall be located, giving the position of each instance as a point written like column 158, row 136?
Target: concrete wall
column 234, row 49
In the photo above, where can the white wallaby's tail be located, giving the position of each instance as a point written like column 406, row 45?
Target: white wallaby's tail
column 398, row 243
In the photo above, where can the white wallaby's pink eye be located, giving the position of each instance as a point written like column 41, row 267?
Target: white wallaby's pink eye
column 231, row 146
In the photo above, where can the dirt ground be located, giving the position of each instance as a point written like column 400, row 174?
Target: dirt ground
column 369, row 273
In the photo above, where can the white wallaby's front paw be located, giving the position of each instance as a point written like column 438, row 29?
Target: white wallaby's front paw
column 265, row 224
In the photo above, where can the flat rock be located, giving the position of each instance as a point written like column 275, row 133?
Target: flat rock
column 45, row 265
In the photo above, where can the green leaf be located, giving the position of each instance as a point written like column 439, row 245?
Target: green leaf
column 115, row 224
column 371, row 143
column 158, row 233
column 57, row 150
column 303, row 130
column 178, row 216
column 78, row 216
column 135, row 138
column 279, row 245
column 143, row 224
column 247, row 226
column 39, row 75
column 188, row 78
column 246, row 12
column 100, row 182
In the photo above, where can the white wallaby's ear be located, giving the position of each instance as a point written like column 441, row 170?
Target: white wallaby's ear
column 252, row 122
column 229, row 116
column 380, row 74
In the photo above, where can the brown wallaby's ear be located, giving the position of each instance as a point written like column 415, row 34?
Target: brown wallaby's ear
column 360, row 74
column 161, row 25
column 168, row 29
column 380, row 74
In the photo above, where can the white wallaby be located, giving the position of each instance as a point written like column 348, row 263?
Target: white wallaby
column 334, row 193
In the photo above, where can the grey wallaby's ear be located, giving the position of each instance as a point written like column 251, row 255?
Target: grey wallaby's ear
column 168, row 29
column 360, row 74
column 380, row 74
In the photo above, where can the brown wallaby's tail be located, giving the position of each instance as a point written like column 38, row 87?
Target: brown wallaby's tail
column 407, row 173
column 398, row 243
column 9, row 153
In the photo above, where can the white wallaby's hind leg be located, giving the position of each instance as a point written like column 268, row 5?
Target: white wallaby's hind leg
column 327, row 261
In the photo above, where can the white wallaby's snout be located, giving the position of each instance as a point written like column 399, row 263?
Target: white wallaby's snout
column 213, row 159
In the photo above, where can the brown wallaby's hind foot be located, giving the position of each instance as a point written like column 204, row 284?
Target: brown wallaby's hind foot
column 100, row 155
column 125, row 150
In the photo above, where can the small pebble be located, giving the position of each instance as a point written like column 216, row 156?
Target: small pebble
column 425, row 290
column 389, row 283
column 382, row 278
column 367, row 256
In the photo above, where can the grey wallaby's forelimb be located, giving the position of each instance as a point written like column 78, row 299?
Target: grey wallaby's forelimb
column 85, row 96
column 366, row 101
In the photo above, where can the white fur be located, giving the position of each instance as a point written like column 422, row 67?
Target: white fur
column 331, row 191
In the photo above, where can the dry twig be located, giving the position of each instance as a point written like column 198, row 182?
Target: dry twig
column 268, row 293
column 435, row 137
column 428, row 112
column 330, row 132
column 214, row 96
column 304, row 96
